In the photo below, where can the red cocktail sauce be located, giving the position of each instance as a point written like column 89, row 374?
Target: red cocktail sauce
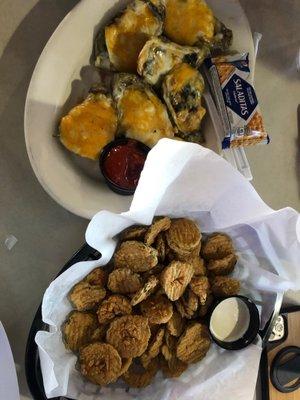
column 124, row 163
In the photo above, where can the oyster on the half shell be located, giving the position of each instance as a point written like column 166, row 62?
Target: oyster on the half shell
column 118, row 46
column 192, row 23
column 182, row 91
column 159, row 56
column 142, row 115
column 89, row 126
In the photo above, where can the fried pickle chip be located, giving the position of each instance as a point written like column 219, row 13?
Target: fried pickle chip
column 157, row 309
column 222, row 286
column 155, row 343
column 183, row 237
column 196, row 251
column 171, row 341
column 145, row 360
column 97, row 277
column 159, row 225
column 203, row 309
column 199, row 266
column 166, row 352
column 193, row 344
column 85, row 296
column 222, row 266
column 175, row 278
column 187, row 305
column 126, row 362
column 136, row 256
column 100, row 363
column 99, row 333
column 154, row 271
column 160, row 246
column 154, row 347
column 173, row 368
column 217, row 245
column 78, row 329
column 129, row 335
column 133, row 233
column 115, row 306
column 124, row 281
column 139, row 377
column 145, row 291
column 201, row 287
column 176, row 324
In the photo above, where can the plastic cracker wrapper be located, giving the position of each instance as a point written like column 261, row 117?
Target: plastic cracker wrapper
column 184, row 180
column 235, row 98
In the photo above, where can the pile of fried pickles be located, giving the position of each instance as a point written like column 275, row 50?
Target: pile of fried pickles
column 146, row 309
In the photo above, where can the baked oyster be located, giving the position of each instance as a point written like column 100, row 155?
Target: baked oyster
column 182, row 91
column 89, row 126
column 159, row 56
column 118, row 46
column 142, row 116
column 192, row 23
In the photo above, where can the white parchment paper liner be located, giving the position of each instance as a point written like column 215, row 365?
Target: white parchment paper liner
column 184, row 179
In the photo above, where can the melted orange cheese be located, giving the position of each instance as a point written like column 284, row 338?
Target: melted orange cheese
column 89, row 127
column 188, row 20
column 144, row 117
column 127, row 36
column 181, row 75
column 189, row 121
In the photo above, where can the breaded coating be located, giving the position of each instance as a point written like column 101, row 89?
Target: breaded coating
column 203, row 309
column 145, row 291
column 78, row 329
column 160, row 246
column 216, row 246
column 133, row 233
column 187, row 305
column 193, row 344
column 173, row 368
column 176, row 324
column 154, row 347
column 124, row 281
column 85, row 296
column 139, row 379
column 198, row 265
column 114, row 306
column 175, row 278
column 158, row 309
column 136, row 256
column 129, row 335
column 183, row 237
column 222, row 266
column 97, row 277
column 223, row 286
column 100, row 363
column 159, row 225
column 201, row 287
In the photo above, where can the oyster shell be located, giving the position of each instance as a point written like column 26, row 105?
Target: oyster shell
column 89, row 126
column 159, row 56
column 197, row 25
column 120, row 43
column 182, row 91
column 142, row 115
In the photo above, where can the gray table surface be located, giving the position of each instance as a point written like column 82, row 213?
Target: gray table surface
column 47, row 234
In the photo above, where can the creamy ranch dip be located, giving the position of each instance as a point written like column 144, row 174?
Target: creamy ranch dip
column 230, row 320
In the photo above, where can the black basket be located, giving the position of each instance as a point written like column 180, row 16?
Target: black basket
column 32, row 361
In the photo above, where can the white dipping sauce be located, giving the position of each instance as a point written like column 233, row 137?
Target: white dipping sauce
column 230, row 320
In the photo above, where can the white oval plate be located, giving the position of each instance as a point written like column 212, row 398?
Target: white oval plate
column 61, row 77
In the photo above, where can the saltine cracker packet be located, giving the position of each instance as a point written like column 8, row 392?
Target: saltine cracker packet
column 236, row 100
